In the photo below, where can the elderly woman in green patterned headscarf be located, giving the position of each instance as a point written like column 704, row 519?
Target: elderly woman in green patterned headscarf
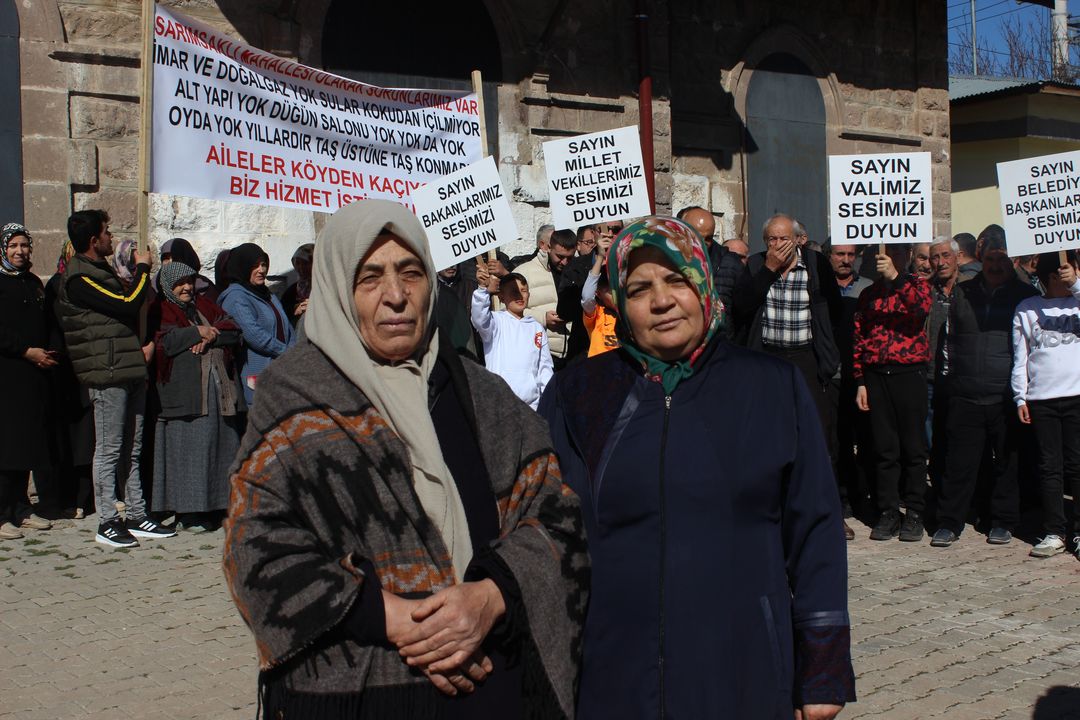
column 719, row 577
column 665, row 252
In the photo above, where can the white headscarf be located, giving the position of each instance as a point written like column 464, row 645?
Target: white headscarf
column 399, row 391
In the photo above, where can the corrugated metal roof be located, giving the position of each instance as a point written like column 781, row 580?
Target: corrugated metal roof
column 966, row 86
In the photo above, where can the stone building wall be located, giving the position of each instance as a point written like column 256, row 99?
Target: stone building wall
column 80, row 91
column 881, row 67
column 880, row 64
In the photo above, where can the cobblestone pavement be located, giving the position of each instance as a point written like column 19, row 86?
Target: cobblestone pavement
column 972, row 632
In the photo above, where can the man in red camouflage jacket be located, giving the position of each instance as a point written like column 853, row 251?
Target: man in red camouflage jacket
column 891, row 351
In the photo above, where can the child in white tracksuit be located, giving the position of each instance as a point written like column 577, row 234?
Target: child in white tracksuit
column 1046, row 387
column 515, row 345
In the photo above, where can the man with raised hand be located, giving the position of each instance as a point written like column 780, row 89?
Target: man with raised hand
column 790, row 303
column 891, row 352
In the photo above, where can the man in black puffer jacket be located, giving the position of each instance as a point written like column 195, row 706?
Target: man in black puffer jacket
column 981, row 411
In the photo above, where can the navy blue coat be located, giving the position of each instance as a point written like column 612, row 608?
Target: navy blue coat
column 719, row 566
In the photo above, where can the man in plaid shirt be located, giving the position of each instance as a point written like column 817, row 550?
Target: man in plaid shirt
column 787, row 304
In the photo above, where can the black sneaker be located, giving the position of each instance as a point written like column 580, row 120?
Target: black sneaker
column 912, row 529
column 114, row 534
column 147, row 528
column 888, row 526
column 943, row 538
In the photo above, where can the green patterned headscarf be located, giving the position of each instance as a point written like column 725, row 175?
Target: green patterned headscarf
column 685, row 249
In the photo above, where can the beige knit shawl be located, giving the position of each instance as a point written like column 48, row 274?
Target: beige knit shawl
column 399, row 391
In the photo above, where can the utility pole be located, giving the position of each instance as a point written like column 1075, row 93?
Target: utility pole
column 1059, row 32
column 1059, row 27
column 974, row 43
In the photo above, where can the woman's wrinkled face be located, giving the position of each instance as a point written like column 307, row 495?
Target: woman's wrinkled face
column 184, row 289
column 391, row 290
column 662, row 307
column 18, row 252
column 258, row 275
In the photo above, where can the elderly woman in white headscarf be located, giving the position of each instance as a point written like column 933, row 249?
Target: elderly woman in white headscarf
column 400, row 541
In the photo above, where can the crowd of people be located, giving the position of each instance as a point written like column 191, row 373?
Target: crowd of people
column 912, row 387
column 140, row 381
column 917, row 357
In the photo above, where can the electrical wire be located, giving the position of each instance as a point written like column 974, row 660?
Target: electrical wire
column 958, row 26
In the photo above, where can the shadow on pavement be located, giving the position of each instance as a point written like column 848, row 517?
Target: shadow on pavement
column 1059, row 703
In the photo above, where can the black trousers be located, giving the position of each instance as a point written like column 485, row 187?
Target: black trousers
column 973, row 429
column 803, row 358
column 898, row 409
column 938, row 422
column 1057, row 433
column 851, row 430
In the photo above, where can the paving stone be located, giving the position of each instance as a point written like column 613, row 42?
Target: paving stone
column 983, row 635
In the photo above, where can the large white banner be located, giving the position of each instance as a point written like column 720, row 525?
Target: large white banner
column 880, row 198
column 465, row 214
column 232, row 122
column 1040, row 203
column 596, row 178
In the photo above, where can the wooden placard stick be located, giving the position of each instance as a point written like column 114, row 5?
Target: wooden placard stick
column 1063, row 258
column 478, row 88
column 146, row 121
column 146, row 129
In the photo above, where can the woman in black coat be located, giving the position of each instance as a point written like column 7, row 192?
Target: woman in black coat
column 25, row 361
column 719, row 570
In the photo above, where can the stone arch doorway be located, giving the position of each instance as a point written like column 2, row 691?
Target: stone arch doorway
column 434, row 46
column 11, row 171
column 787, row 163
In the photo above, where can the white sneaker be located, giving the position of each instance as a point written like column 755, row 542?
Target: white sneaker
column 8, row 531
column 1049, row 546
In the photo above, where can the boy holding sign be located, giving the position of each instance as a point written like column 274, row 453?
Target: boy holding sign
column 1046, row 387
column 515, row 345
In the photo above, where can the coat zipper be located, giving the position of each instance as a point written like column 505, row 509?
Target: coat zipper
column 663, row 548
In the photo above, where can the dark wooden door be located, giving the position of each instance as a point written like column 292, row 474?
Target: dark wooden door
column 787, row 169
column 11, row 169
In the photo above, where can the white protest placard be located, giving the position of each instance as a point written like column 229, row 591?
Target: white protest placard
column 880, row 198
column 232, row 122
column 1040, row 203
column 596, row 178
column 465, row 214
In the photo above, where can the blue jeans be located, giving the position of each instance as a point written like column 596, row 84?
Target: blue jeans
column 118, row 425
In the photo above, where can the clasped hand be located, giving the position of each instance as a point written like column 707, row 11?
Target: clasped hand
column 208, row 335
column 442, row 634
